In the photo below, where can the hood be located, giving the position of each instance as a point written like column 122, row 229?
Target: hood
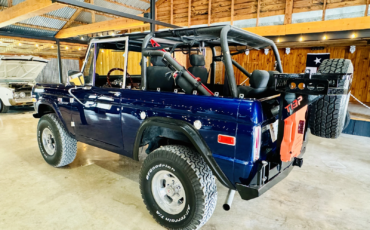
column 20, row 68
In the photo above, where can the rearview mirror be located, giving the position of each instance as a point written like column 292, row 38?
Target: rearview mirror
column 76, row 78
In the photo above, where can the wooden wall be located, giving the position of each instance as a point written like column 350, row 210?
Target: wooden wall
column 295, row 62
column 108, row 60
column 221, row 10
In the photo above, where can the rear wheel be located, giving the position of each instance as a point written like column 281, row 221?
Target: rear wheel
column 178, row 187
column 327, row 115
column 3, row 108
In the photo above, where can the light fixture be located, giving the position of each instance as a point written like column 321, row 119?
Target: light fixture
column 52, row 47
column 67, row 48
column 113, row 33
column 82, row 38
column 102, row 51
column 293, row 85
column 301, row 39
column 19, row 44
column 301, row 86
column 1, row 42
column 79, row 48
column 278, row 40
column 353, row 35
column 324, row 37
column 37, row 45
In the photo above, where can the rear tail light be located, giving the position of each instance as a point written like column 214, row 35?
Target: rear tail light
column 256, row 142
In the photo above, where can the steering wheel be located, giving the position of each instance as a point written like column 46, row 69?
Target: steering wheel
column 114, row 69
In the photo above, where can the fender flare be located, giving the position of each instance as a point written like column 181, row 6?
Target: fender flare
column 193, row 135
column 53, row 105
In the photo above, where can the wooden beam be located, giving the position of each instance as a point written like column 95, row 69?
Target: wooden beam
column 125, row 5
column 258, row 12
column 232, row 12
column 72, row 19
column 209, row 12
column 155, row 17
column 288, row 12
column 360, row 23
column 324, row 11
column 115, row 24
column 26, row 10
column 147, row 1
column 171, row 12
column 367, row 7
column 189, row 13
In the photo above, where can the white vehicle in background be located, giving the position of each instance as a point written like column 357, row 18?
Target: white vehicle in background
column 17, row 77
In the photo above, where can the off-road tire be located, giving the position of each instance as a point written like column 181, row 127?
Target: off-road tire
column 65, row 144
column 327, row 115
column 3, row 108
column 196, row 177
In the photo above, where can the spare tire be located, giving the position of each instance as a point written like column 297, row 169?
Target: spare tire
column 327, row 115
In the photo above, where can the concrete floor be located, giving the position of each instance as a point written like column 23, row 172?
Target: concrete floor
column 100, row 190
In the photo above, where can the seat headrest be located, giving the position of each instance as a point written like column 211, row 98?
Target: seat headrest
column 259, row 79
column 157, row 61
column 272, row 79
column 197, row 60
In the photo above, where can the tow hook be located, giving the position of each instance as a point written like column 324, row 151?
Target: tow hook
column 229, row 200
column 298, row 162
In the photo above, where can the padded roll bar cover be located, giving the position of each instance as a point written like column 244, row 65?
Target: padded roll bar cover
column 184, row 84
column 259, row 79
column 157, row 61
column 197, row 60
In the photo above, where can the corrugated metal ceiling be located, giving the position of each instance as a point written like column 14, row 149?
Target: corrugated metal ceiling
column 55, row 20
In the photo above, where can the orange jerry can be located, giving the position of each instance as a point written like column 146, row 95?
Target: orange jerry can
column 294, row 127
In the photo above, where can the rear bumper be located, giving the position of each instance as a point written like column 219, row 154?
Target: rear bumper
column 251, row 192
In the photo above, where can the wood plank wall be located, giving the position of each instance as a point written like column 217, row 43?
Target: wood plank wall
column 295, row 62
column 243, row 9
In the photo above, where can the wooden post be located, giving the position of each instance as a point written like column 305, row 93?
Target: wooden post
column 171, row 11
column 232, row 12
column 288, row 12
column 258, row 12
column 189, row 13
column 324, row 11
column 209, row 12
column 367, row 8
column 92, row 13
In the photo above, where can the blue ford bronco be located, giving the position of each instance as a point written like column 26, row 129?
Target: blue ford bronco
column 193, row 129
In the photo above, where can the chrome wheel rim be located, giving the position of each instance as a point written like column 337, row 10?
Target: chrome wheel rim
column 48, row 141
column 168, row 192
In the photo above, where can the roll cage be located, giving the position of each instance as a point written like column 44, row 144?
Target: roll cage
column 181, row 39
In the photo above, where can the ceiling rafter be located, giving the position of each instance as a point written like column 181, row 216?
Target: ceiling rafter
column 125, row 5
column 72, row 19
column 26, row 10
column 111, row 25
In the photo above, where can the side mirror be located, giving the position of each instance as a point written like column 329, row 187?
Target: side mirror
column 76, row 78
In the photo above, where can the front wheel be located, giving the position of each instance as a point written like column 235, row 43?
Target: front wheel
column 3, row 108
column 57, row 146
column 178, row 187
